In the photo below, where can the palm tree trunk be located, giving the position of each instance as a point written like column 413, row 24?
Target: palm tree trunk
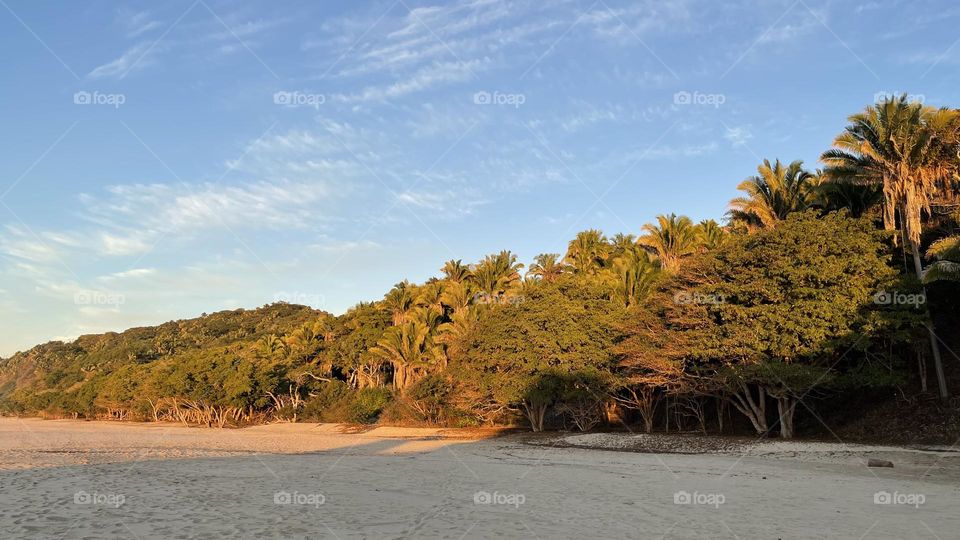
column 937, row 361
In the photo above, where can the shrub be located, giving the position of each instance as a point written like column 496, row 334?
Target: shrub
column 318, row 407
column 368, row 404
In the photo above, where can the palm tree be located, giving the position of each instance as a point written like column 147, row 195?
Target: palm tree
column 673, row 238
column 456, row 271
column 622, row 243
column 452, row 334
column 857, row 198
column 408, row 349
column 588, row 252
column 774, row 193
column 946, row 267
column 400, row 302
column 431, row 297
column 638, row 272
column 456, row 296
column 270, row 346
column 711, row 234
column 909, row 150
column 905, row 148
column 547, row 267
column 300, row 339
column 497, row 274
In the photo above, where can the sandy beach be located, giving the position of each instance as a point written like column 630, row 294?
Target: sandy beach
column 74, row 479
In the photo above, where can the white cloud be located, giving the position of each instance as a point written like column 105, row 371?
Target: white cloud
column 134, row 57
column 423, row 79
column 669, row 152
column 136, row 23
column 738, row 136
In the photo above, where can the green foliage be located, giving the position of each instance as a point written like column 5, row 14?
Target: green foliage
column 367, row 404
column 518, row 353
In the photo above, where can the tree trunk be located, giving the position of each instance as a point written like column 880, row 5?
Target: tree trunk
column 535, row 414
column 721, row 409
column 786, row 406
column 645, row 401
column 754, row 410
column 922, row 370
column 934, row 346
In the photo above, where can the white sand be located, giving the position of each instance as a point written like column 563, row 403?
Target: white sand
column 151, row 481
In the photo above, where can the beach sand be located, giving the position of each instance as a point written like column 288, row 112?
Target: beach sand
column 74, row 479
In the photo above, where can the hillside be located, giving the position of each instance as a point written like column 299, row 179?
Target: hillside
column 75, row 378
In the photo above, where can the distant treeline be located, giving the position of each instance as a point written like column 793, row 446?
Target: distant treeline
column 821, row 284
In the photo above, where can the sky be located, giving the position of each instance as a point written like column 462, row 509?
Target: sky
column 162, row 160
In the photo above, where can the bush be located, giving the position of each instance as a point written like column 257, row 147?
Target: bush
column 336, row 402
column 318, row 407
column 368, row 404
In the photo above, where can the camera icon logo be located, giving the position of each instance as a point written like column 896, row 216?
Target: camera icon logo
column 282, row 497
column 482, row 497
column 482, row 98
column 882, row 497
column 682, row 98
column 82, row 98
column 682, row 497
column 882, row 298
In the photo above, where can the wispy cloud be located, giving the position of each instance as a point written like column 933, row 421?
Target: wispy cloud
column 738, row 136
column 137, row 56
column 136, row 23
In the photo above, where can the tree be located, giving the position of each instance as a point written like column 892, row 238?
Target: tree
column 400, row 302
column 637, row 271
column 547, row 267
column 910, row 151
column 523, row 354
column 946, row 266
column 711, row 234
column 672, row 239
column 774, row 193
column 456, row 271
column 587, row 252
column 409, row 349
column 363, row 326
column 784, row 308
column 498, row 274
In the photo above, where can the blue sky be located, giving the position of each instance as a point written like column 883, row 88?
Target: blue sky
column 160, row 160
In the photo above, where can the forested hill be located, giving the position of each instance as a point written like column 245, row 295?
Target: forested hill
column 205, row 352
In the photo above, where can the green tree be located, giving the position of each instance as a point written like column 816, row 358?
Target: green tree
column 673, row 238
column 518, row 353
column 774, row 193
column 548, row 267
column 780, row 309
column 587, row 252
column 909, row 150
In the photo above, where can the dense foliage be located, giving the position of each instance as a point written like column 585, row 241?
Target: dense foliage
column 808, row 292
